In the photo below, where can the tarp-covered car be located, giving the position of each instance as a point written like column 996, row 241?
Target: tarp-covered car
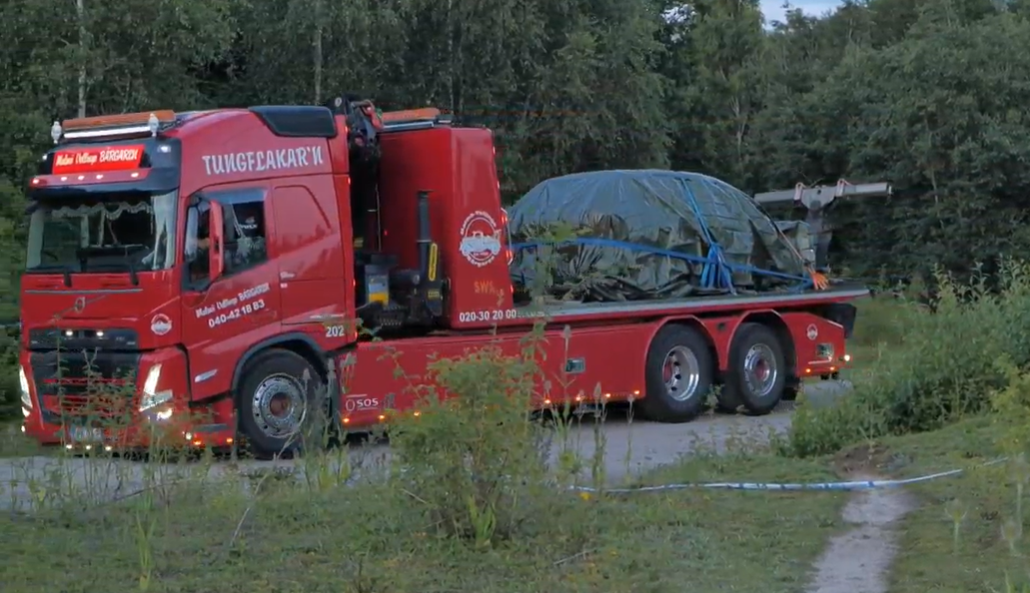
column 644, row 234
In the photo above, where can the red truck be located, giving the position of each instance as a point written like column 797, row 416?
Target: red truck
column 211, row 265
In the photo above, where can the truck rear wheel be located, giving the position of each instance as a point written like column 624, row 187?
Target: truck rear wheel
column 757, row 374
column 277, row 402
column 678, row 375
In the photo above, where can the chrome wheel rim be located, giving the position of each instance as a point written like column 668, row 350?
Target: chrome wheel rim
column 760, row 372
column 681, row 372
column 279, row 406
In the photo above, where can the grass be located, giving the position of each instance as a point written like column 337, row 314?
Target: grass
column 879, row 329
column 981, row 502
column 202, row 534
column 14, row 444
column 929, row 369
column 461, row 506
column 118, row 525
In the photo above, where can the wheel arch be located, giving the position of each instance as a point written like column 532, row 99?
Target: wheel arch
column 773, row 321
column 697, row 325
column 297, row 342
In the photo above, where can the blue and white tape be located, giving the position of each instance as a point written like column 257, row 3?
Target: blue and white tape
column 850, row 486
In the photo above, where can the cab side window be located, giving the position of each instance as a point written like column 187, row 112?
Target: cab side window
column 244, row 232
column 198, row 243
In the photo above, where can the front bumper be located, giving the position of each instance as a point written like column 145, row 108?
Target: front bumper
column 122, row 401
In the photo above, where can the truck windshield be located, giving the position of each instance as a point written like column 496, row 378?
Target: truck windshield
column 126, row 232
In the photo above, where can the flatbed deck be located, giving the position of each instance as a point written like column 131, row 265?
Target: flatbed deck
column 578, row 311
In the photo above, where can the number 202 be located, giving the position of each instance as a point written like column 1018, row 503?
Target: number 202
column 336, row 331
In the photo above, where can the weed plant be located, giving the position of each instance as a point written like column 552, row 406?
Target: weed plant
column 942, row 366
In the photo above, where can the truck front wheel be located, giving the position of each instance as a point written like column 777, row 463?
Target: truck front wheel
column 679, row 375
column 277, row 402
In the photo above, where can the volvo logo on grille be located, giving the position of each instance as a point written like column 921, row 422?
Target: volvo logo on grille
column 80, row 304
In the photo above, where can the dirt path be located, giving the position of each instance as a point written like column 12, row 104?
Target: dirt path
column 859, row 561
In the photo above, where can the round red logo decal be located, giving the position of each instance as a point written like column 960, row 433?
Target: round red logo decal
column 480, row 239
column 160, row 324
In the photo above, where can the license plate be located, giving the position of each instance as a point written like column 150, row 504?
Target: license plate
column 85, row 434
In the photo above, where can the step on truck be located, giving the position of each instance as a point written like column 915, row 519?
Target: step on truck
column 200, row 273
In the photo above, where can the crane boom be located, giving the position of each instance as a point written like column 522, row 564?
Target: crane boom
column 821, row 196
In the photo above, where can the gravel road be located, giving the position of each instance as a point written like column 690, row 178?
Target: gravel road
column 631, row 447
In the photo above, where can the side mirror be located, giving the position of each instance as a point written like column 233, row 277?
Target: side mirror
column 217, row 227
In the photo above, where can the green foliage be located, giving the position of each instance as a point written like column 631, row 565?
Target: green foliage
column 924, row 93
column 10, row 390
column 944, row 366
column 473, row 459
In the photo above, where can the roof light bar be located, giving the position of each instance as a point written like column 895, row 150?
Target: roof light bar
column 414, row 119
column 112, row 125
column 407, row 115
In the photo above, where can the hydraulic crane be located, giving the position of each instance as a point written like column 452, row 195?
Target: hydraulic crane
column 815, row 200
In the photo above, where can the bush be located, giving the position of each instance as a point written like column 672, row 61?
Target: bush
column 945, row 364
column 473, row 460
column 10, row 391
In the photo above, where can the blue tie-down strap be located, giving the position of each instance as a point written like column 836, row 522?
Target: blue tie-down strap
column 848, row 486
column 716, row 272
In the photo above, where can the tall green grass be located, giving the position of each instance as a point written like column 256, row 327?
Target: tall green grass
column 924, row 368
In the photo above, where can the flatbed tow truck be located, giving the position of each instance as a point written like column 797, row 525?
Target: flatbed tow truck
column 200, row 273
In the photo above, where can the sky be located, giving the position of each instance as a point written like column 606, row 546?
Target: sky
column 773, row 9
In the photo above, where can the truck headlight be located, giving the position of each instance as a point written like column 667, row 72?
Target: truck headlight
column 26, row 397
column 151, row 396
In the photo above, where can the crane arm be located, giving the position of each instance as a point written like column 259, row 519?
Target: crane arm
column 821, row 196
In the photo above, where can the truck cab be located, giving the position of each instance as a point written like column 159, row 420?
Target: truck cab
column 195, row 275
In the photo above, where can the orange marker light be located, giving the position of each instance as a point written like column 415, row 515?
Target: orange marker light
column 124, row 119
column 428, row 113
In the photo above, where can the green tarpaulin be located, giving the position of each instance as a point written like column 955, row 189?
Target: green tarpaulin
column 620, row 218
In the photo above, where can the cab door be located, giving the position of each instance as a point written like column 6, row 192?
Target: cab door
column 225, row 315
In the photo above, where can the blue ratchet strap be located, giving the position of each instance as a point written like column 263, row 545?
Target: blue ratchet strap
column 713, row 273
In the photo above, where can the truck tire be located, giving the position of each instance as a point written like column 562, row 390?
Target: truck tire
column 757, row 375
column 678, row 375
column 277, row 402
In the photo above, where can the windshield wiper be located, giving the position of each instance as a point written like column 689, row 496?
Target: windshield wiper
column 132, row 272
column 65, row 269
column 119, row 266
column 123, row 251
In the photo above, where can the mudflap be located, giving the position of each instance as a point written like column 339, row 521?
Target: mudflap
column 844, row 314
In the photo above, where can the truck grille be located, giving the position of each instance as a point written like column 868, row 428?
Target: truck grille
column 75, row 386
